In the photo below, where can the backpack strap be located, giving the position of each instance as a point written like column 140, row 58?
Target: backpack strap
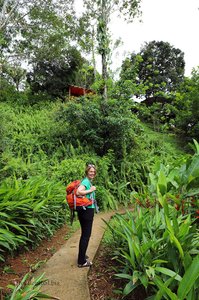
column 72, row 216
column 94, row 201
column 75, row 201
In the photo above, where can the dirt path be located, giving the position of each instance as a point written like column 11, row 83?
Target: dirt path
column 65, row 280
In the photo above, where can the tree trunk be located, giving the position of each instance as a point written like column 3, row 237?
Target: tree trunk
column 104, row 75
column 105, row 43
column 93, row 52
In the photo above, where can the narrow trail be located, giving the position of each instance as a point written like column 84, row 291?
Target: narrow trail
column 65, row 280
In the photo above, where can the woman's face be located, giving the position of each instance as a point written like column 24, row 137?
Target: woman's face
column 91, row 173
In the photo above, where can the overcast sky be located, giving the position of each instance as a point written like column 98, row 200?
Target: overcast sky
column 173, row 21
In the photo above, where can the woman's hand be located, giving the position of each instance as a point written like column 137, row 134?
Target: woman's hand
column 92, row 189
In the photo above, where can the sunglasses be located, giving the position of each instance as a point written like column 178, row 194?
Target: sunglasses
column 91, row 166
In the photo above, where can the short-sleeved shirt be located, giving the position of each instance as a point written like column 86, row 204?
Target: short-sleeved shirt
column 86, row 182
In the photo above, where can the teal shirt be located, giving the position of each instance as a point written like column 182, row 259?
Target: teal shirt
column 86, row 182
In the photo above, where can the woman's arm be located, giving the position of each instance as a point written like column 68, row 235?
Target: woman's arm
column 81, row 191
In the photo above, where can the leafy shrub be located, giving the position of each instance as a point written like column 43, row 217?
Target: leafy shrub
column 28, row 288
column 30, row 211
column 158, row 246
column 101, row 126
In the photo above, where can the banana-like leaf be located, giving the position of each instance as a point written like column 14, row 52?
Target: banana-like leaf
column 124, row 276
column 169, row 272
column 193, row 169
column 184, row 227
column 39, row 205
column 19, row 228
column 129, row 288
column 161, row 292
column 164, row 289
column 196, row 146
column 162, row 183
column 173, row 237
column 189, row 279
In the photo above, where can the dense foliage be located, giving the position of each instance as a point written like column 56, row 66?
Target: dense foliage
column 157, row 244
column 55, row 140
column 102, row 126
column 160, row 68
column 53, row 76
column 178, row 112
column 47, row 137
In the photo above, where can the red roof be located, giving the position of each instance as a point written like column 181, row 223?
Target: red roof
column 78, row 91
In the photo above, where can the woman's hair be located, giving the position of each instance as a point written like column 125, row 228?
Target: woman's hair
column 88, row 167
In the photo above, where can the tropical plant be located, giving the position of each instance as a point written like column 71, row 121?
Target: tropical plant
column 28, row 288
column 179, row 183
column 156, row 252
column 101, row 127
column 186, row 120
column 29, row 212
column 159, row 245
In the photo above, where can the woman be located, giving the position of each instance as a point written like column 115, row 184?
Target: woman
column 86, row 215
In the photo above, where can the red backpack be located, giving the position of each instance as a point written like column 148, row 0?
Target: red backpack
column 75, row 202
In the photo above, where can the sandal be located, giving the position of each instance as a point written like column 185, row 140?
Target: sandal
column 86, row 264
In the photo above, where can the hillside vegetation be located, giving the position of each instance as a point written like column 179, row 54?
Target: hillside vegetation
column 44, row 147
column 141, row 130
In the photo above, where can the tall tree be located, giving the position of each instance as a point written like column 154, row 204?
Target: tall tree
column 100, row 11
column 160, row 70
column 54, row 75
column 38, row 34
column 29, row 28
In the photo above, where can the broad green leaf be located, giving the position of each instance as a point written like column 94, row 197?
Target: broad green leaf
column 123, row 275
column 196, row 145
column 164, row 289
column 14, row 226
column 39, row 205
column 189, row 278
column 193, row 169
column 184, row 227
column 162, row 183
column 191, row 294
column 45, row 296
column 168, row 272
column 160, row 261
column 161, row 292
column 177, row 243
column 144, row 280
column 173, row 237
column 129, row 288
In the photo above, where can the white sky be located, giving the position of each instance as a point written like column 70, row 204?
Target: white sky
column 173, row 21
